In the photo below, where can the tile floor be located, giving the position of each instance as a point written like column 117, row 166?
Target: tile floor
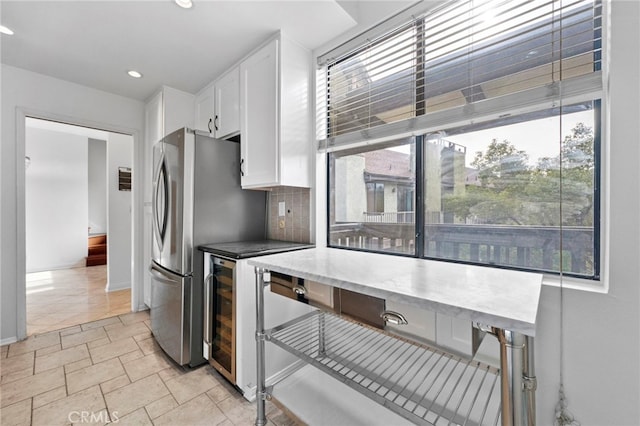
column 66, row 297
column 112, row 371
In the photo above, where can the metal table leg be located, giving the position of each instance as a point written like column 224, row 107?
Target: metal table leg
column 518, row 382
column 262, row 278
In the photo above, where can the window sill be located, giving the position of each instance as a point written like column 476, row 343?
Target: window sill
column 591, row 286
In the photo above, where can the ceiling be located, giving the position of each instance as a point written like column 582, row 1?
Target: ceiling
column 95, row 43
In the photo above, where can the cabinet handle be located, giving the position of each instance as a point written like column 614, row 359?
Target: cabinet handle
column 209, row 125
column 299, row 290
column 242, row 167
column 394, row 318
column 215, row 122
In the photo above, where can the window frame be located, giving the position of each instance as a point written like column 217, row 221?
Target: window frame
column 577, row 92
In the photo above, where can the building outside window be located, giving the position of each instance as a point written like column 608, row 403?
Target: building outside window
column 472, row 134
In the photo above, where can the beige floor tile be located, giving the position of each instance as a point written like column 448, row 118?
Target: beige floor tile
column 137, row 418
column 194, row 383
column 83, row 337
column 94, row 375
column 33, row 343
column 239, row 411
column 70, row 330
column 136, row 395
column 149, row 345
column 113, row 384
column 16, row 414
column 70, row 409
column 17, row 375
column 172, row 372
column 143, row 336
column 146, row 366
column 161, row 406
column 16, row 363
column 117, row 331
column 223, row 391
column 112, row 350
column 60, row 358
column 134, row 317
column 99, row 342
column 100, row 323
column 78, row 365
column 131, row 356
column 49, row 396
column 49, row 350
column 199, row 411
column 30, row 386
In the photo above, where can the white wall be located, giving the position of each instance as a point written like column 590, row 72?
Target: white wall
column 602, row 331
column 119, row 153
column 33, row 94
column 56, row 200
column 601, row 337
column 97, row 175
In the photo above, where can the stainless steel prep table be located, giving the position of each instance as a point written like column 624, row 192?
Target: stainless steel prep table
column 502, row 302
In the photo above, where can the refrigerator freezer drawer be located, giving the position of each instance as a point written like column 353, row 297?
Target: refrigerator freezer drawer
column 170, row 313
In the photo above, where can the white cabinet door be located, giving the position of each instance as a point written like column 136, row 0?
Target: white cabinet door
column 259, row 88
column 178, row 109
column 227, row 104
column 204, row 107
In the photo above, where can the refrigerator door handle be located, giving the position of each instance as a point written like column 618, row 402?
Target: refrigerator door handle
column 159, row 275
column 207, row 310
column 160, row 211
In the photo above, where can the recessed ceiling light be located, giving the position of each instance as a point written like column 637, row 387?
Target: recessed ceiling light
column 187, row 4
column 5, row 30
column 134, row 74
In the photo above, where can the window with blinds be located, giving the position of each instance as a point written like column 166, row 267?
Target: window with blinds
column 470, row 132
column 464, row 60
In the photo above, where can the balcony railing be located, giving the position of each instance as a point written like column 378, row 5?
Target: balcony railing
column 388, row 217
column 528, row 247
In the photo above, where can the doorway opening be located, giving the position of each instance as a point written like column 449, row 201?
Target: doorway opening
column 78, row 233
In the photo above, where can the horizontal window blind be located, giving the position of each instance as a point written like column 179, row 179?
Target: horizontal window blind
column 459, row 61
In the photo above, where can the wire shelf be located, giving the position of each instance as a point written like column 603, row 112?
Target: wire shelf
column 422, row 384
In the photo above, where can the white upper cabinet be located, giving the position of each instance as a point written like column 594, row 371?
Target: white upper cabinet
column 275, row 116
column 205, row 108
column 226, row 121
column 217, row 106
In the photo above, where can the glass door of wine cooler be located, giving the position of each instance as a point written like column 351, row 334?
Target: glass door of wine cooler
column 221, row 317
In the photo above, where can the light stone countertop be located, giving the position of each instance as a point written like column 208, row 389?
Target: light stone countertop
column 497, row 297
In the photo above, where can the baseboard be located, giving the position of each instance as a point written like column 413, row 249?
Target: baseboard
column 8, row 341
column 250, row 393
column 118, row 286
column 142, row 307
column 79, row 264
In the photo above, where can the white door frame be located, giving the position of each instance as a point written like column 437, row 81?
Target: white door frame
column 137, row 218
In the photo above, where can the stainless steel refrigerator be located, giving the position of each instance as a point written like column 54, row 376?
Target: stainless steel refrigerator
column 197, row 199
